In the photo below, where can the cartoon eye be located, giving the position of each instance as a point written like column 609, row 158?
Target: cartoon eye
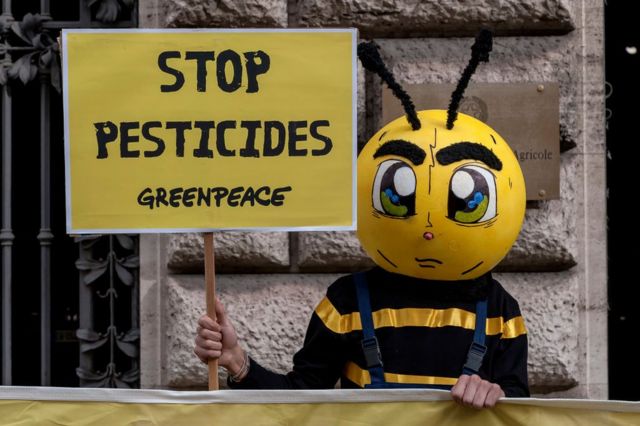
column 472, row 195
column 394, row 189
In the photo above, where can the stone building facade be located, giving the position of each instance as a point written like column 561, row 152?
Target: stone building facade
column 270, row 282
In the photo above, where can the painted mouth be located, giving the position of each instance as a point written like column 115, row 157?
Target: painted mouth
column 428, row 262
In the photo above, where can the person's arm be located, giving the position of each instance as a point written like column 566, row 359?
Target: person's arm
column 317, row 365
column 510, row 365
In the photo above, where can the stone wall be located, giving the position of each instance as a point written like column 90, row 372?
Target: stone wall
column 270, row 282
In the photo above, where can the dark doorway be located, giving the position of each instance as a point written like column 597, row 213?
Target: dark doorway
column 46, row 304
column 622, row 54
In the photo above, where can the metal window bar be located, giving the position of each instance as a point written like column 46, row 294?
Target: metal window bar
column 92, row 14
column 6, row 234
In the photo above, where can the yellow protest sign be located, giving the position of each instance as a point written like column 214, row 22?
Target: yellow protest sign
column 196, row 130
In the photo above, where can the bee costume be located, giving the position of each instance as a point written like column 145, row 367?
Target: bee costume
column 441, row 200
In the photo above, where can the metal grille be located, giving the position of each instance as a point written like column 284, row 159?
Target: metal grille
column 96, row 327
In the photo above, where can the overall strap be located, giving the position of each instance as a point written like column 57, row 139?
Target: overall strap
column 478, row 348
column 369, row 342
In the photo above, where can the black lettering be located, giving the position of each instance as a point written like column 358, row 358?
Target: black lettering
column 102, row 137
column 203, row 150
column 270, row 150
column 219, row 194
column 146, row 127
column 201, row 59
column 162, row 64
column 250, row 147
column 204, row 197
column 144, row 199
column 313, row 129
column 174, row 197
column 221, row 70
column 248, row 197
column 254, row 69
column 180, row 127
column 161, row 197
column 188, row 196
column 220, row 145
column 263, row 201
column 277, row 199
column 126, row 139
column 234, row 195
column 294, row 138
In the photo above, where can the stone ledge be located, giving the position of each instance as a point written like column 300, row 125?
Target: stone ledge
column 223, row 13
column 331, row 252
column 234, row 251
column 549, row 305
column 429, row 18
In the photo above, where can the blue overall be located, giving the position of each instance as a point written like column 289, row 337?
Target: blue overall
column 371, row 349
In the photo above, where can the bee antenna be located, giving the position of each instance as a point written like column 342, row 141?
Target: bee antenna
column 371, row 60
column 479, row 53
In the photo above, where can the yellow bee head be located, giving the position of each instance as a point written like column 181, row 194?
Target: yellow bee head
column 437, row 200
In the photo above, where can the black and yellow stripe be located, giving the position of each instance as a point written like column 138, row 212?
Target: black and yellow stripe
column 361, row 377
column 418, row 317
column 424, row 329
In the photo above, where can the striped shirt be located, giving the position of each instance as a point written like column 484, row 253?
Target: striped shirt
column 424, row 329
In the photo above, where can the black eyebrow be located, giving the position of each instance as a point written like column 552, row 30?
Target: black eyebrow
column 402, row 148
column 468, row 151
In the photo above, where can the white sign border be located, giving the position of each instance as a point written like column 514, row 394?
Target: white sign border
column 354, row 129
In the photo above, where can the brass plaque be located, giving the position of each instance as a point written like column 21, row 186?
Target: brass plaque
column 526, row 115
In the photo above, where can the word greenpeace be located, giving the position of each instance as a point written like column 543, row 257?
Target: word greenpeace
column 217, row 196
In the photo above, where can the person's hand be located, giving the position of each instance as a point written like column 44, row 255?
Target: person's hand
column 218, row 340
column 472, row 391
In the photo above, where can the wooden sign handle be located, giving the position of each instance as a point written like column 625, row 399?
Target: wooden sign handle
column 210, row 280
